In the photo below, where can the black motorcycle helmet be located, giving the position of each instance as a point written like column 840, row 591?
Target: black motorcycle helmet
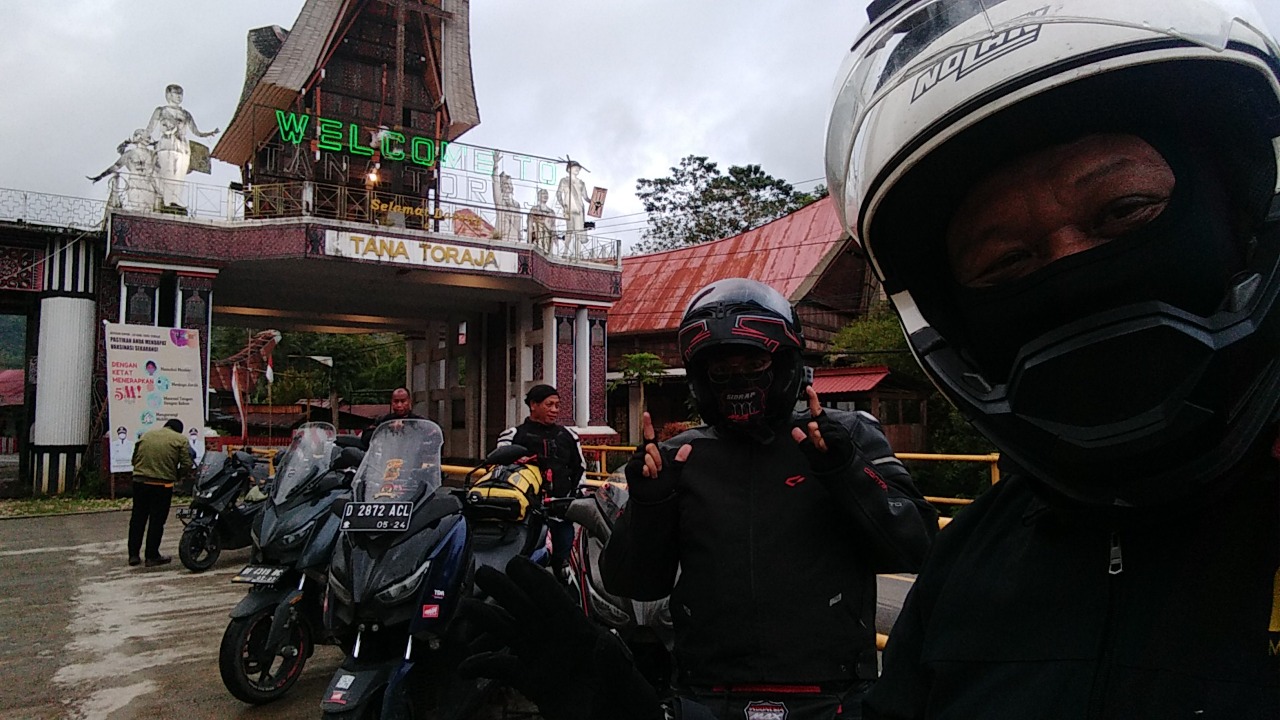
column 1132, row 373
column 743, row 313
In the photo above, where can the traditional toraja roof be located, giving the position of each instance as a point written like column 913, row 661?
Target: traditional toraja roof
column 292, row 64
column 788, row 254
column 833, row 381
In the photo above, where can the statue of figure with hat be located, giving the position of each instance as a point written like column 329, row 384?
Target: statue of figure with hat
column 571, row 194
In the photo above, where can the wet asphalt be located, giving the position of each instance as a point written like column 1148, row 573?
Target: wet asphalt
column 83, row 636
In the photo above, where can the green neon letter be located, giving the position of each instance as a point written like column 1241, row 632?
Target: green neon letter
column 387, row 151
column 329, row 134
column 451, row 160
column 292, row 126
column 429, row 157
column 353, row 142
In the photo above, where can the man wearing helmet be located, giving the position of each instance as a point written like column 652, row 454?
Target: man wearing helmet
column 1073, row 208
column 777, row 521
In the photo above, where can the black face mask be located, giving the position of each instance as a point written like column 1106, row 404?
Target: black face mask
column 743, row 400
column 1185, row 257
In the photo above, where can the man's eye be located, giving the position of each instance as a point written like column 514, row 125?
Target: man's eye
column 1006, row 267
column 1128, row 213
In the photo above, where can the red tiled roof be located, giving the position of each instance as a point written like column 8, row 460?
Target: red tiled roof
column 788, row 254
column 831, row 381
column 11, row 387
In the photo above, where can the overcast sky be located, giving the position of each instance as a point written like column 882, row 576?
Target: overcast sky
column 626, row 86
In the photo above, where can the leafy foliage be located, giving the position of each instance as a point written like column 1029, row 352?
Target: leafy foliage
column 877, row 339
column 641, row 368
column 644, row 368
column 13, row 341
column 366, row 368
column 698, row 202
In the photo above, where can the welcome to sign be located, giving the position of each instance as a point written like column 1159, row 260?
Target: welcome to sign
column 336, row 136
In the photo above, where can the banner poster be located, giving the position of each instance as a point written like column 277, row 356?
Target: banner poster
column 153, row 375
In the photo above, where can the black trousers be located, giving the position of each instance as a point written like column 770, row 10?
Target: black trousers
column 150, row 510
column 561, row 541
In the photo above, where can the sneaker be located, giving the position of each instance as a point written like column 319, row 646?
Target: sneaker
column 134, row 561
column 162, row 560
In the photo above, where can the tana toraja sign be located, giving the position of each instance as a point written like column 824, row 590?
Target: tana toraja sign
column 420, row 253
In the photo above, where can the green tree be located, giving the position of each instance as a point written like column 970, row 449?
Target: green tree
column 13, row 341
column 698, row 202
column 641, row 368
column 877, row 339
column 366, row 368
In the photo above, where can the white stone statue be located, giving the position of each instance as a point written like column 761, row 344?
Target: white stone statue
column 504, row 199
column 541, row 222
column 133, row 185
column 571, row 194
column 173, row 149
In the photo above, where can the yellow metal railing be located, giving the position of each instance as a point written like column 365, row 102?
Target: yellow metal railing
column 601, row 454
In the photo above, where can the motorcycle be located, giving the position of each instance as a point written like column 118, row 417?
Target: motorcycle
column 218, row 518
column 274, row 628
column 645, row 627
column 406, row 559
column 505, row 510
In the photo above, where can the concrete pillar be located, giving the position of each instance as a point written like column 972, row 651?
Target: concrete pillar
column 550, row 369
column 582, row 381
column 599, row 360
column 195, row 312
column 64, row 367
column 564, row 330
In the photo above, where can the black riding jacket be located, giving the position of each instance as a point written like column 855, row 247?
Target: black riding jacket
column 776, row 564
column 1028, row 608
column 558, row 449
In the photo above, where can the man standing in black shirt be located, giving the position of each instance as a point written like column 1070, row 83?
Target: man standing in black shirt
column 559, row 454
column 401, row 409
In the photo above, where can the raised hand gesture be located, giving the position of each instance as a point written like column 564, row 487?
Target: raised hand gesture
column 826, row 442
column 650, row 478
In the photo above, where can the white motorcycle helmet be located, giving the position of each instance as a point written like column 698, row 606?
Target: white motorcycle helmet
column 1132, row 373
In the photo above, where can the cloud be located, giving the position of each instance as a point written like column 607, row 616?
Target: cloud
column 629, row 88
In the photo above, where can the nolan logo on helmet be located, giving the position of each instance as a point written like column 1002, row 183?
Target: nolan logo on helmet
column 973, row 56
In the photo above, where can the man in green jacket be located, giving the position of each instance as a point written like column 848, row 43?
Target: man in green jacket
column 159, row 458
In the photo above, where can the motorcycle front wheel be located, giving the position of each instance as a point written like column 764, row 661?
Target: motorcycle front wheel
column 247, row 674
column 199, row 548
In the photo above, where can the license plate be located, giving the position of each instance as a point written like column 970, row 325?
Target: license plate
column 376, row 516
column 260, row 574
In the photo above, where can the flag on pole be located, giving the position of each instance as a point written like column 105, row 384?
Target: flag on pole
column 271, row 376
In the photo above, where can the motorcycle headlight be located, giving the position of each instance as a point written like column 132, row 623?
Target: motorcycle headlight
column 400, row 590
column 298, row 534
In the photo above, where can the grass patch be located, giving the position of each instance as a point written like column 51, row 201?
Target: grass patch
column 59, row 505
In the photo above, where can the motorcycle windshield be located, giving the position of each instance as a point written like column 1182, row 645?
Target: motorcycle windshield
column 403, row 462
column 210, row 467
column 308, row 457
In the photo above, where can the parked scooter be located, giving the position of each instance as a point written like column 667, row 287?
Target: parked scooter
column 406, row 559
column 644, row 626
column 218, row 518
column 273, row 630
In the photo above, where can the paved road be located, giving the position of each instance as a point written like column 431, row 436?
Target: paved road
column 87, row 637
column 84, row 636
